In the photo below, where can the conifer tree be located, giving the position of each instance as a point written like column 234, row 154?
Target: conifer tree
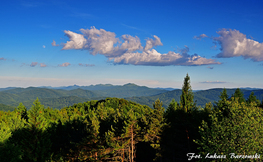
column 34, row 139
column 253, row 98
column 221, row 103
column 187, row 97
column 21, row 110
column 239, row 132
column 239, row 94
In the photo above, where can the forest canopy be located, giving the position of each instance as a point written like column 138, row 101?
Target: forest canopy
column 115, row 129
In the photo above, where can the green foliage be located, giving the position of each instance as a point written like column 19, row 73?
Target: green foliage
column 113, row 129
column 238, row 94
column 239, row 132
column 58, row 98
column 253, row 99
column 187, row 97
column 4, row 107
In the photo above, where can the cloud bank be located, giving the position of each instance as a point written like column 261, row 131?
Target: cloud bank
column 213, row 82
column 33, row 64
column 234, row 44
column 128, row 49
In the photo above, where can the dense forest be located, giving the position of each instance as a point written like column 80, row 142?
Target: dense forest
column 115, row 129
column 60, row 97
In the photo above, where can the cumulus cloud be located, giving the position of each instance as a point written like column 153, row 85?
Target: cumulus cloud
column 234, row 44
column 86, row 65
column 131, row 43
column 200, row 36
column 99, row 41
column 2, row 58
column 43, row 65
column 213, row 82
column 64, row 64
column 77, row 41
column 126, row 49
column 150, row 43
column 33, row 64
column 154, row 58
column 54, row 43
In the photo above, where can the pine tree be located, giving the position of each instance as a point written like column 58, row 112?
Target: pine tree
column 34, row 139
column 222, row 101
column 239, row 94
column 187, row 97
column 239, row 132
column 21, row 110
column 253, row 98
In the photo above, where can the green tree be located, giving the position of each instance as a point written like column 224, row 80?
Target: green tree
column 253, row 98
column 239, row 94
column 221, row 103
column 239, row 132
column 34, row 138
column 187, row 97
column 21, row 110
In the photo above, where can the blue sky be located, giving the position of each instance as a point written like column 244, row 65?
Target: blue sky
column 150, row 43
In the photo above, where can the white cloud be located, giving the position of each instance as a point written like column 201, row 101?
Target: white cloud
column 33, row 64
column 213, row 82
column 200, row 36
column 154, row 58
column 99, row 41
column 131, row 43
column 124, row 52
column 44, row 46
column 2, row 58
column 150, row 43
column 77, row 41
column 54, row 43
column 234, row 44
column 43, row 65
column 64, row 64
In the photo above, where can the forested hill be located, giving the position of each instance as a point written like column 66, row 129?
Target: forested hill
column 201, row 97
column 59, row 98
column 13, row 97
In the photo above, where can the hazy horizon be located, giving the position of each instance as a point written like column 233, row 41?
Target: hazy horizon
column 126, row 84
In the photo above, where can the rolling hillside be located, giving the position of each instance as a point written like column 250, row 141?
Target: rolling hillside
column 59, row 98
column 201, row 97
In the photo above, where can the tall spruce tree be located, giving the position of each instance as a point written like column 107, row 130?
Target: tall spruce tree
column 253, row 98
column 187, row 97
column 221, row 103
column 239, row 94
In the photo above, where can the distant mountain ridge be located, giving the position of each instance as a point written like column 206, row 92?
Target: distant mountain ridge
column 66, row 96
column 201, row 97
column 101, row 87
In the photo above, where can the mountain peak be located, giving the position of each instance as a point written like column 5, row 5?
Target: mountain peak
column 130, row 84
